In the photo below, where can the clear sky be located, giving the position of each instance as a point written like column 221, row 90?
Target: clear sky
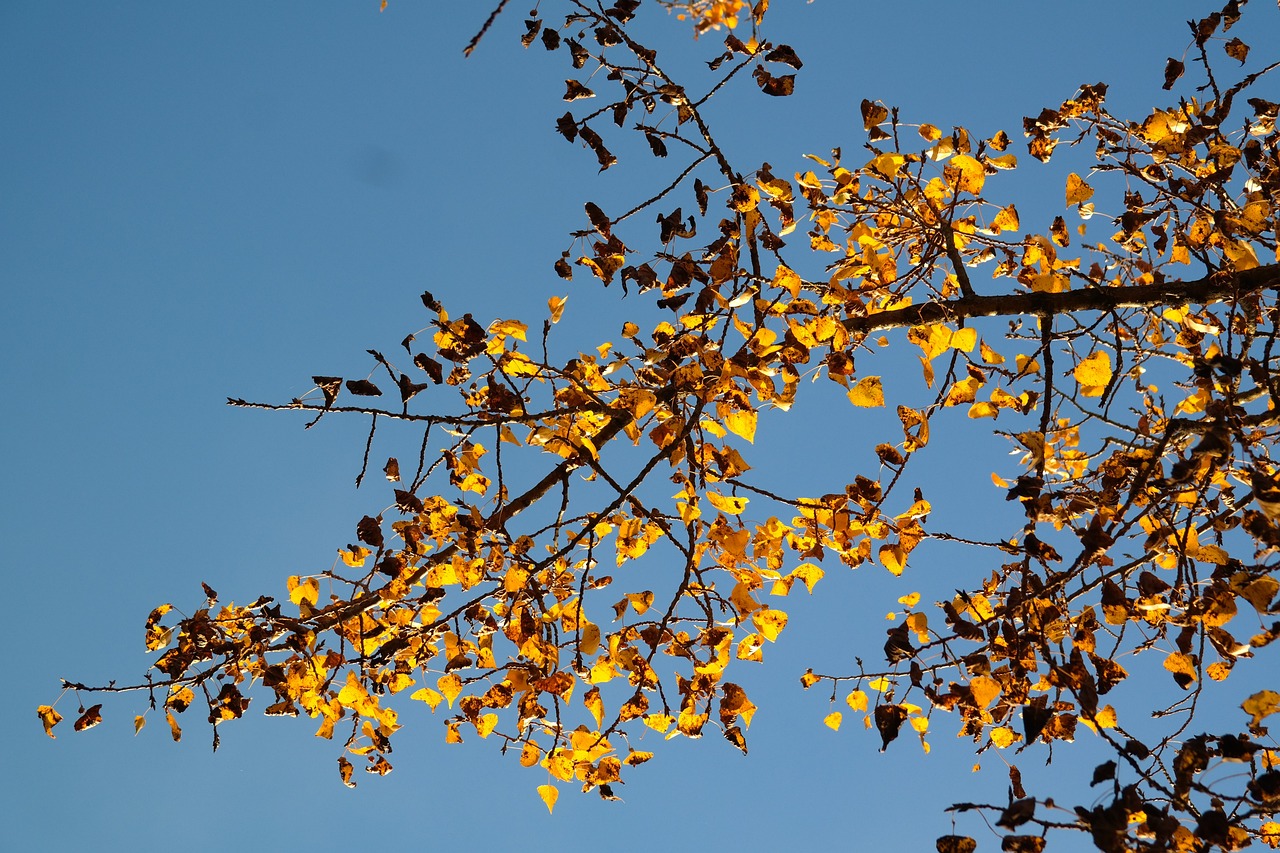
column 208, row 200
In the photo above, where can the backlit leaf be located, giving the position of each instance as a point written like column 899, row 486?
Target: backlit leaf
column 549, row 795
column 1094, row 373
column 868, row 393
column 49, row 718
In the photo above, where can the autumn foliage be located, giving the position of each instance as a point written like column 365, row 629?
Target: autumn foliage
column 571, row 551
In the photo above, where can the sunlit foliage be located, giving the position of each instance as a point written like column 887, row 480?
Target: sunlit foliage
column 1124, row 351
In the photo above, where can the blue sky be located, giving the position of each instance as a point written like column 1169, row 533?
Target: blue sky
column 213, row 200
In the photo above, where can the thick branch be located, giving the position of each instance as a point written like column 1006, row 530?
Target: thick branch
column 1213, row 288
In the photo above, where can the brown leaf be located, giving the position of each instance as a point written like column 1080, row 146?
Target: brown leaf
column 1172, row 71
column 575, row 91
column 89, row 718
column 778, row 87
column 392, row 469
column 408, row 388
column 531, row 32
column 889, row 719
column 432, row 367
column 599, row 221
column 956, row 844
column 330, row 386
column 784, row 54
column 363, row 388
column 408, row 502
column 369, row 531
column 1237, row 50
column 1017, row 813
column 872, row 114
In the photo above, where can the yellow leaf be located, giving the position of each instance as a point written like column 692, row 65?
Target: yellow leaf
column 300, row 590
column 356, row 556
column 857, row 700
column 832, row 720
column 769, row 622
column 910, row 600
column 964, row 339
column 1003, row 737
column 887, row 165
column 920, row 724
column 933, row 339
column 450, row 685
column 964, row 174
column 549, row 795
column 1241, row 254
column 591, row 699
column 1181, row 665
column 509, row 328
column 1260, row 705
column 727, row 505
column 659, row 722
column 868, row 393
column 486, row 724
column 556, row 305
column 49, row 718
column 809, row 574
column 1093, row 374
column 1005, row 220
column 879, row 685
column 989, row 355
column 984, row 689
column 530, row 755
column 637, row 757
column 930, row 133
column 742, row 423
column 426, row 694
column 893, row 558
column 138, row 722
column 1078, row 191
column 787, row 279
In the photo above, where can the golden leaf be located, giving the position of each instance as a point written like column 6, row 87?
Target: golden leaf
column 355, row 557
column 984, row 689
column 769, row 622
column 787, row 279
column 450, row 685
column 591, row 699
column 893, row 558
column 138, row 722
column 1093, row 374
column 1078, row 192
column 49, row 718
column 964, row 174
column 1182, row 666
column 426, row 694
column 742, row 423
column 176, row 731
column 659, row 722
column 1005, row 220
column 549, row 795
column 345, row 769
column 868, row 393
column 1260, row 705
column 857, row 700
column 636, row 757
column 727, row 505
column 1003, row 737
column 833, row 720
column 486, row 724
